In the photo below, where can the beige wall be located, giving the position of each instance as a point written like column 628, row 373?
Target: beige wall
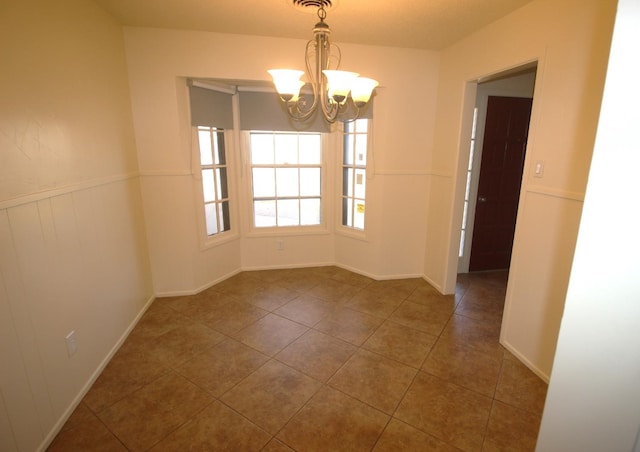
column 594, row 393
column 570, row 41
column 72, row 243
column 159, row 60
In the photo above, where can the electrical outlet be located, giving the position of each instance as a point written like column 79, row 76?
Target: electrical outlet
column 280, row 245
column 539, row 169
column 72, row 346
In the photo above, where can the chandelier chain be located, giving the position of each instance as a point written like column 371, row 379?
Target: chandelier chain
column 322, row 13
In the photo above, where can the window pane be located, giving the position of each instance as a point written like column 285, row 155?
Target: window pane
column 347, row 182
column 211, row 217
column 208, row 186
column 347, row 212
column 358, row 214
column 224, row 215
column 214, row 180
column 475, row 123
column 309, row 153
column 309, row 181
column 360, row 183
column 288, row 212
column 287, row 182
column 261, row 149
column 219, row 152
column 362, row 125
column 221, row 175
column 310, row 211
column 204, row 142
column 464, row 214
column 286, row 149
column 265, row 213
column 348, row 149
column 264, row 182
column 361, row 149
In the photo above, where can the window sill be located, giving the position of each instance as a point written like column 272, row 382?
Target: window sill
column 352, row 233
column 288, row 231
column 218, row 239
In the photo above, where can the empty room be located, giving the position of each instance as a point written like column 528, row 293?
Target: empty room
column 319, row 225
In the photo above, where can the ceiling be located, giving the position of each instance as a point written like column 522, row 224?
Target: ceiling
column 422, row 24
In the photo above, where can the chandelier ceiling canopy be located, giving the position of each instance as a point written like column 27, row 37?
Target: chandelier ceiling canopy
column 332, row 90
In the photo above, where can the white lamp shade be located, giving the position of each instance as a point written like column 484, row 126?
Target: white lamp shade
column 339, row 84
column 296, row 96
column 361, row 90
column 288, row 83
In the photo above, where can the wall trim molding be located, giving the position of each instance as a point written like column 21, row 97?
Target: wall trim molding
column 65, row 189
column 86, row 185
column 165, row 173
column 555, row 192
column 406, row 172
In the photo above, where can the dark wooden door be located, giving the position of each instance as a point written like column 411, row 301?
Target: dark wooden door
column 503, row 151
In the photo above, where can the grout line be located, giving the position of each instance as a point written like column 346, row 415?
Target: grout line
column 343, row 297
column 486, row 426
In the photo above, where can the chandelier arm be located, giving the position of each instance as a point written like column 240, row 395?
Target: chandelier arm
column 298, row 109
column 338, row 59
column 330, row 109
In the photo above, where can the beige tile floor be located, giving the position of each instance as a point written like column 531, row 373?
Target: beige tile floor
column 317, row 359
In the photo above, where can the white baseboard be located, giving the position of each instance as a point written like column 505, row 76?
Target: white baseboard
column 377, row 277
column 435, row 285
column 94, row 376
column 184, row 293
column 285, row 267
column 525, row 361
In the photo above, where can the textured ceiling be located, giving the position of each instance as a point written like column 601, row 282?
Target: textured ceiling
column 423, row 24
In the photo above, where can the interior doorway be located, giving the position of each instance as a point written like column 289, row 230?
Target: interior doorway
column 498, row 144
column 502, row 162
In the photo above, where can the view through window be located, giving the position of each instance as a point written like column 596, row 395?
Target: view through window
column 286, row 171
column 213, row 164
column 354, row 172
column 467, row 194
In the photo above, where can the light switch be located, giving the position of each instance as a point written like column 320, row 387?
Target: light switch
column 72, row 345
column 539, row 169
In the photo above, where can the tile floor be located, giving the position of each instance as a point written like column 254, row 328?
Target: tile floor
column 317, row 359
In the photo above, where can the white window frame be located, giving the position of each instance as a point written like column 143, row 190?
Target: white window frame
column 342, row 229
column 209, row 241
column 326, row 208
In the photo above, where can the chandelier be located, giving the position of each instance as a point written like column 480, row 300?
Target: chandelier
column 333, row 91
